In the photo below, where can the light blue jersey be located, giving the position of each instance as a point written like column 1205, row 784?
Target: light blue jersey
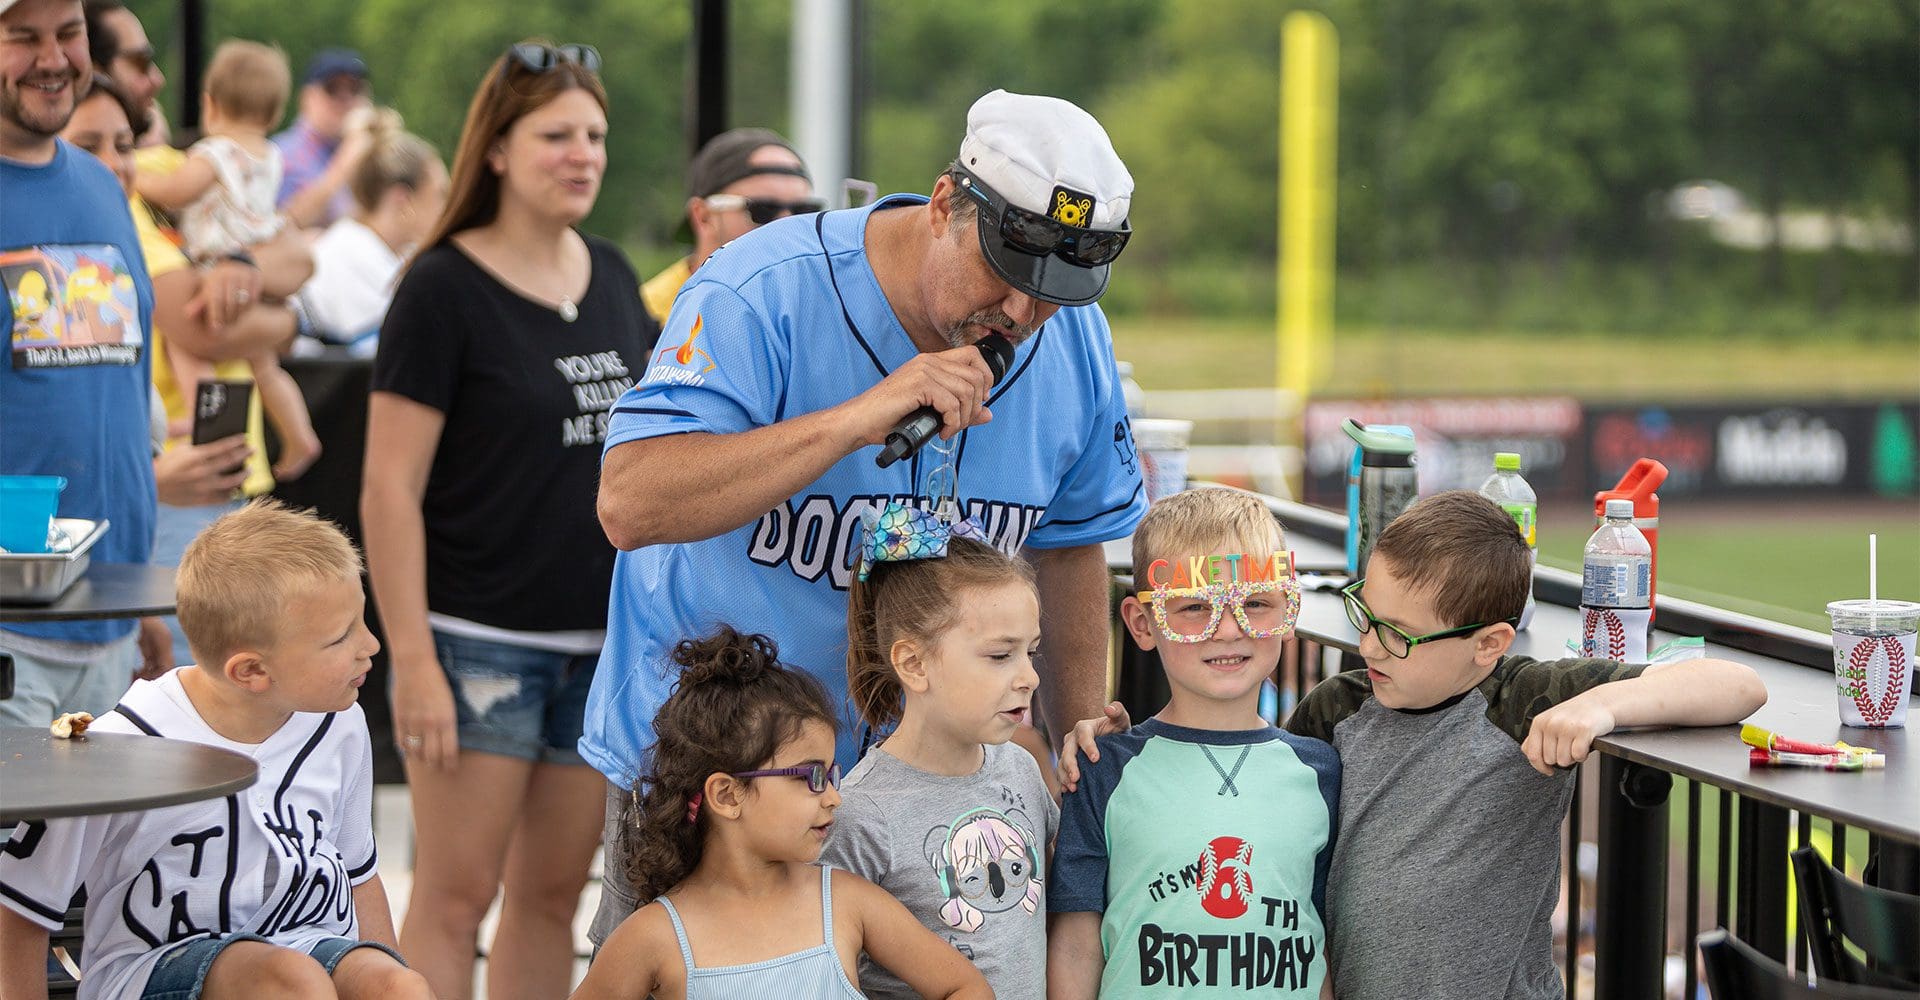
column 790, row 320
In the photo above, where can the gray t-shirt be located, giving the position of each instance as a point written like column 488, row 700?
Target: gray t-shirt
column 967, row 855
column 1447, row 866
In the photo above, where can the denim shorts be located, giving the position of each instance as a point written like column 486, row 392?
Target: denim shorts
column 516, row 701
column 181, row 973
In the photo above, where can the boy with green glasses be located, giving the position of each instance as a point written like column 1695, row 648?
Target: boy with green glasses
column 1456, row 759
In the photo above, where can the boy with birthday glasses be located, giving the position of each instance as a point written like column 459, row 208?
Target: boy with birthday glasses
column 1193, row 854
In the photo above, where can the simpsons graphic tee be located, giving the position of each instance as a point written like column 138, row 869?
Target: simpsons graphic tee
column 1206, row 854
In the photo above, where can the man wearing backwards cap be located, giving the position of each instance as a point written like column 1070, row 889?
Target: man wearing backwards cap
column 737, row 469
column 740, row 180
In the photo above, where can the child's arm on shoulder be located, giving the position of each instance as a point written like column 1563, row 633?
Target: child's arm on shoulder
column 182, row 187
column 1066, row 771
column 375, row 916
column 23, row 957
column 1694, row 693
column 628, row 965
column 1074, row 959
column 893, row 937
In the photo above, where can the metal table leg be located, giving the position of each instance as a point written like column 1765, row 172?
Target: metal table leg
column 1630, row 909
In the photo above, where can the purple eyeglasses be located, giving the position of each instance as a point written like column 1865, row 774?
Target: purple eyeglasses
column 819, row 774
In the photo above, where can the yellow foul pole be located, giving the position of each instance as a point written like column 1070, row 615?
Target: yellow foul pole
column 1309, row 100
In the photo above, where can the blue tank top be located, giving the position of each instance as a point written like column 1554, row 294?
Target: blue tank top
column 814, row 973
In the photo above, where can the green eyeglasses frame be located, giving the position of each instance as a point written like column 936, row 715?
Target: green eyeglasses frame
column 1362, row 618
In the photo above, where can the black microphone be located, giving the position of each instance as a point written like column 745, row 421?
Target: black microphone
column 921, row 425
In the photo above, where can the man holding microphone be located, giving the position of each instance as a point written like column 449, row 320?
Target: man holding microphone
column 736, row 471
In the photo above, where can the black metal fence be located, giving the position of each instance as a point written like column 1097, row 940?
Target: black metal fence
column 1720, row 861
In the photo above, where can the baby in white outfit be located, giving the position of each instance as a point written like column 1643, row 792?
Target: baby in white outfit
column 223, row 195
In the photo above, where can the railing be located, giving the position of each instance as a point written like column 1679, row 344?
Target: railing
column 1657, row 877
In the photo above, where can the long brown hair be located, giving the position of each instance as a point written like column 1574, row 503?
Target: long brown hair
column 509, row 93
column 919, row 600
column 735, row 705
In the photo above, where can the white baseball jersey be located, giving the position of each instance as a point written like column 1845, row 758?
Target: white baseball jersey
column 279, row 859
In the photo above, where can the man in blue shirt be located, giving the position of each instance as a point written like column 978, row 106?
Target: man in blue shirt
column 737, row 470
column 74, row 376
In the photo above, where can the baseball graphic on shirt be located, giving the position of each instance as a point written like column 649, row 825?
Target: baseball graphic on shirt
column 1226, row 877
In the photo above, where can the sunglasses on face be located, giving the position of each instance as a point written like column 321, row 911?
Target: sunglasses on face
column 819, row 774
column 539, row 57
column 1263, row 609
column 347, row 87
column 763, row 210
column 1040, row 235
column 140, row 61
column 1397, row 641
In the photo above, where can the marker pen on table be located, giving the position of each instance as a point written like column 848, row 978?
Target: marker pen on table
column 1757, row 757
column 1766, row 739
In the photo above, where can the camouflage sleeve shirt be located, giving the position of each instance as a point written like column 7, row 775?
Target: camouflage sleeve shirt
column 1445, row 826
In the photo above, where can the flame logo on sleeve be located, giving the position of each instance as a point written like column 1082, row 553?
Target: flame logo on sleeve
column 685, row 355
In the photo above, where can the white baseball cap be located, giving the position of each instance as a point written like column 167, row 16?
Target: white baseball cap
column 1051, row 159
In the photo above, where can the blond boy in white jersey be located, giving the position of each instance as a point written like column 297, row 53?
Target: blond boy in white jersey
column 271, row 891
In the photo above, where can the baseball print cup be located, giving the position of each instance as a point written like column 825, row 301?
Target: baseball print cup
column 1873, row 661
column 1163, row 454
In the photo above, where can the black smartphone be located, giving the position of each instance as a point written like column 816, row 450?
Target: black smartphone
column 220, row 410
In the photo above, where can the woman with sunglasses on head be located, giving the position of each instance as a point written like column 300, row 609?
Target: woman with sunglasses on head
column 508, row 336
column 723, row 836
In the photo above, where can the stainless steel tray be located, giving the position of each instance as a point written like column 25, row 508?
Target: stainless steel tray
column 41, row 577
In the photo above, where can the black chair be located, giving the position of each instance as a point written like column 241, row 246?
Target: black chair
column 1737, row 972
column 1883, row 924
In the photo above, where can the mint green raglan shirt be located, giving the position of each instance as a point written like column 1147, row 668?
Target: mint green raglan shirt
column 1206, row 854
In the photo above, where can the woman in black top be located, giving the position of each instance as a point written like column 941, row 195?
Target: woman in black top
column 508, row 337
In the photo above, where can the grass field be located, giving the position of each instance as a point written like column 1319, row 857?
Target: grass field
column 1782, row 564
column 1782, row 561
column 1219, row 354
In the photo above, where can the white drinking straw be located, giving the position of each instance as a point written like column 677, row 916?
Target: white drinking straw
column 1873, row 582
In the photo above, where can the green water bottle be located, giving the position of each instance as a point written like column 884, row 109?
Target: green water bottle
column 1506, row 488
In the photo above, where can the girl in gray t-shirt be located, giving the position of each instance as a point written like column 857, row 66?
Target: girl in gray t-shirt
column 943, row 813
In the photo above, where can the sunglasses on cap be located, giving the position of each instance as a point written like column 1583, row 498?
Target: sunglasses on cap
column 539, row 57
column 819, row 774
column 763, row 210
column 1040, row 235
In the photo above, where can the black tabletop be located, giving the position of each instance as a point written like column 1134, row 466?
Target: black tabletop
column 108, row 590
column 42, row 777
column 1800, row 704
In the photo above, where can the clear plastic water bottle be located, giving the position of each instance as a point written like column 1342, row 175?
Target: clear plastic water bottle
column 1130, row 391
column 1506, row 488
column 1616, row 588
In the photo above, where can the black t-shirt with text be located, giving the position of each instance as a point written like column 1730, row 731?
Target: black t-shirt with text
column 512, row 537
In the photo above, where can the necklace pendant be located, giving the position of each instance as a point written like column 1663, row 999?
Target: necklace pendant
column 568, row 311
